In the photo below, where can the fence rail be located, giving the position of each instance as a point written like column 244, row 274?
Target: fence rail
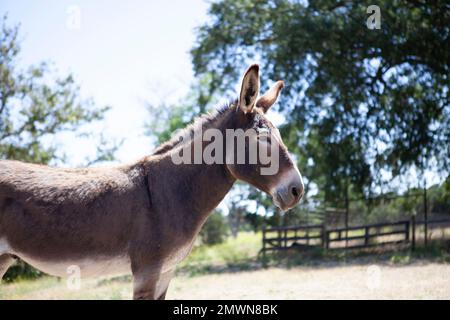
column 285, row 237
column 363, row 236
column 368, row 235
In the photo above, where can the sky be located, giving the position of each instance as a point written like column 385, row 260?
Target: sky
column 122, row 53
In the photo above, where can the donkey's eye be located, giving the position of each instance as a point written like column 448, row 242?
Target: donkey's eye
column 264, row 135
column 263, row 130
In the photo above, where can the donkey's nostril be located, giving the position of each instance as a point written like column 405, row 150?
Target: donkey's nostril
column 295, row 192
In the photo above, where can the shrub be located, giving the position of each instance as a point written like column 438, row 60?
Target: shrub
column 215, row 229
column 21, row 270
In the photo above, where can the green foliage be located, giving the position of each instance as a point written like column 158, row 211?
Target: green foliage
column 357, row 101
column 439, row 197
column 255, row 220
column 240, row 253
column 215, row 230
column 166, row 118
column 36, row 105
column 21, row 270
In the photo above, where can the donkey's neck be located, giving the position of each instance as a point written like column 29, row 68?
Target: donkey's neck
column 188, row 191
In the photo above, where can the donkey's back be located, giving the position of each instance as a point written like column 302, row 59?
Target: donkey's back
column 58, row 184
column 66, row 214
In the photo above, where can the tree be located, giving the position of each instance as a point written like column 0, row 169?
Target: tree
column 215, row 229
column 358, row 102
column 237, row 208
column 166, row 117
column 36, row 105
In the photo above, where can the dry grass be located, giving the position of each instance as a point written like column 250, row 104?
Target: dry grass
column 231, row 271
column 416, row 281
column 429, row 281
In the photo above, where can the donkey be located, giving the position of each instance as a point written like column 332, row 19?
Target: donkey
column 142, row 217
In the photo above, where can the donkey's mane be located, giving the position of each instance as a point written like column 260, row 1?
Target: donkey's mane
column 203, row 122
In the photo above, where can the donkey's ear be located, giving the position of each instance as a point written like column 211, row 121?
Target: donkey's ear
column 270, row 97
column 249, row 89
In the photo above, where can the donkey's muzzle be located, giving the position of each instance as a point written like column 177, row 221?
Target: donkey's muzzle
column 287, row 196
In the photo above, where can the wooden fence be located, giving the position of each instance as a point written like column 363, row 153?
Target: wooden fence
column 364, row 236
column 283, row 238
column 367, row 235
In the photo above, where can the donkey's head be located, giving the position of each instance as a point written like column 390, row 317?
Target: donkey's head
column 274, row 173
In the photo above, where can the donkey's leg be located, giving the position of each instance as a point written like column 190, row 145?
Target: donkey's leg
column 144, row 286
column 163, row 284
column 151, row 285
column 6, row 261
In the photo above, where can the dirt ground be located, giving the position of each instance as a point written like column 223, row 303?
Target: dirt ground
column 413, row 281
column 431, row 281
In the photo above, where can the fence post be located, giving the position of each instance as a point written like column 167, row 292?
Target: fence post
column 413, row 227
column 264, row 244
column 366, row 236
column 324, row 236
column 425, row 215
column 307, row 235
column 346, row 215
column 406, row 231
column 285, row 238
column 307, row 229
column 280, row 239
